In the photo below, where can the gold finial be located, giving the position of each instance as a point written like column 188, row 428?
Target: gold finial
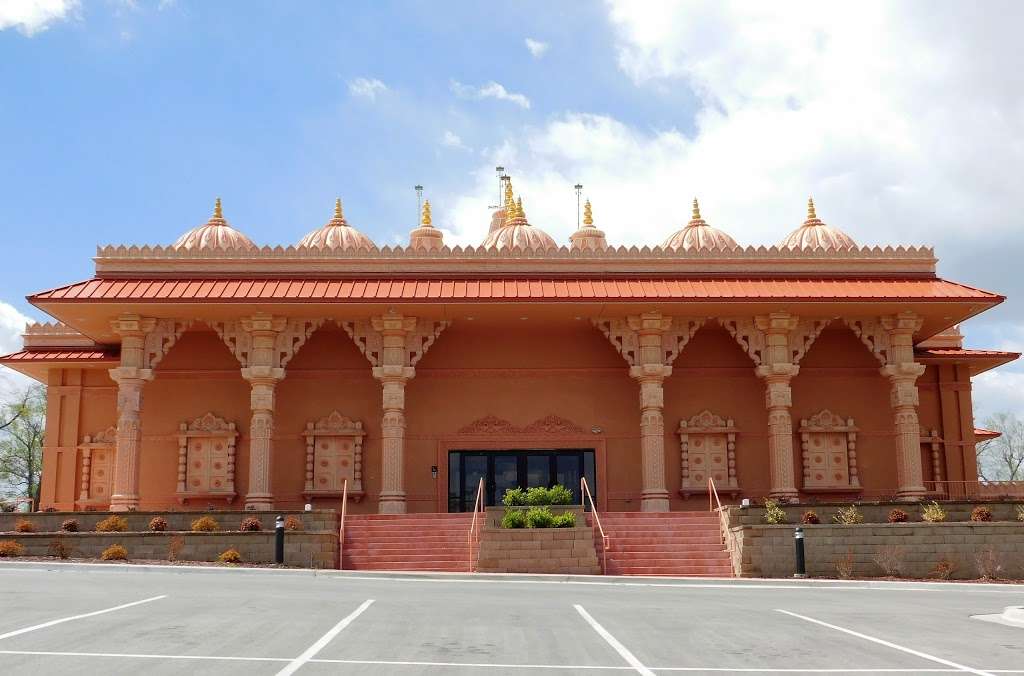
column 338, row 215
column 695, row 216
column 425, row 219
column 810, row 209
column 508, row 194
column 588, row 214
column 217, row 213
column 519, row 208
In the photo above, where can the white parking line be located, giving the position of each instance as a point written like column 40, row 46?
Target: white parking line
column 62, row 620
column 144, row 656
column 613, row 642
column 888, row 644
column 312, row 650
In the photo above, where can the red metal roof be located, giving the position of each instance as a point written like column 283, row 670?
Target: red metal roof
column 965, row 353
column 59, row 354
column 985, row 435
column 508, row 289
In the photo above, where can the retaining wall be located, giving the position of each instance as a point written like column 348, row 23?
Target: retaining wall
column 316, row 520
column 874, row 512
column 538, row 550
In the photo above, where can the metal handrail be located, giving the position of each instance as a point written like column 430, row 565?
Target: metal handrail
column 712, row 501
column 477, row 507
column 341, row 528
column 605, row 541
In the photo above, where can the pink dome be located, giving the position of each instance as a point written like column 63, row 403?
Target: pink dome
column 588, row 237
column 814, row 234
column 215, row 234
column 517, row 233
column 337, row 235
column 426, row 237
column 697, row 235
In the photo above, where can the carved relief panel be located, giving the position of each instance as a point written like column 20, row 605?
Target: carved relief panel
column 829, row 445
column 708, row 450
column 206, row 459
column 97, row 453
column 334, row 454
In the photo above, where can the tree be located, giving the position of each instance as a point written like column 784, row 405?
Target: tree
column 21, row 443
column 1002, row 458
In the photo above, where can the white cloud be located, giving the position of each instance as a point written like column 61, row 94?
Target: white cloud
column 12, row 325
column 491, row 90
column 536, row 47
column 367, row 88
column 33, row 16
column 453, row 140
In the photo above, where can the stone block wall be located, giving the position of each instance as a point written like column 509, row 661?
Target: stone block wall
column 316, row 520
column 873, row 512
column 538, row 550
column 768, row 551
column 304, row 548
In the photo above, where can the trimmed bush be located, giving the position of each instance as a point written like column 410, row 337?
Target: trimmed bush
column 560, row 495
column 981, row 513
column 205, row 524
column 514, row 518
column 112, row 524
column 250, row 523
column 897, row 516
column 539, row 517
column 536, row 496
column 158, row 524
column 773, row 514
column 933, row 513
column 230, row 556
column 848, row 516
column 10, row 548
column 566, row 520
column 25, row 526
column 114, row 553
column 539, row 495
column 810, row 517
column 69, row 526
column 514, row 497
column 292, row 522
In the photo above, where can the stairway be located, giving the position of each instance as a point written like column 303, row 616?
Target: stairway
column 429, row 542
column 683, row 544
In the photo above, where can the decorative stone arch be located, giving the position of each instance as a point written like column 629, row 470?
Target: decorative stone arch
column 829, row 453
column 206, row 459
column 707, row 444
column 334, row 454
column 97, row 475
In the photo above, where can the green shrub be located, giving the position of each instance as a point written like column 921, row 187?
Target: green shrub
column 560, row 495
column 773, row 514
column 933, row 513
column 981, row 513
column 514, row 497
column 566, row 520
column 114, row 553
column 810, row 517
column 848, row 515
column 536, row 496
column 112, row 524
column 539, row 517
column 205, row 524
column 514, row 518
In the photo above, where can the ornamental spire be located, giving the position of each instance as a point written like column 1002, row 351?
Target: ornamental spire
column 588, row 214
column 695, row 216
column 217, row 212
column 338, row 214
column 811, row 215
column 509, row 204
column 425, row 218
column 519, row 208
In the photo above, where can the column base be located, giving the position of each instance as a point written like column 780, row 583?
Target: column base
column 654, row 501
column 124, row 503
column 913, row 494
column 391, row 503
column 786, row 495
column 259, row 502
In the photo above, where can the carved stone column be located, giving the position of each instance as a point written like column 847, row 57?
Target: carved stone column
column 891, row 340
column 650, row 343
column 393, row 344
column 144, row 342
column 776, row 342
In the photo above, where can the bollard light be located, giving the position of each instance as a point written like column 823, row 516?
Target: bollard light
column 279, row 540
column 801, row 564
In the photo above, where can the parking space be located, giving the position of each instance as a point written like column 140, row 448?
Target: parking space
column 107, row 620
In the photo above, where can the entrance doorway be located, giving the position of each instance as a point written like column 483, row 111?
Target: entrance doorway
column 502, row 470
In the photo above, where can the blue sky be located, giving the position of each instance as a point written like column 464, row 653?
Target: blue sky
column 121, row 121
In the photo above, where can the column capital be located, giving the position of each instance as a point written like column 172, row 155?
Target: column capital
column 130, row 374
column 132, row 325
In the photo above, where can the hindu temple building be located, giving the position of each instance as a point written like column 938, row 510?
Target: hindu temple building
column 218, row 372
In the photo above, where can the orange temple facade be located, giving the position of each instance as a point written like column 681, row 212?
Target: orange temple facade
column 215, row 372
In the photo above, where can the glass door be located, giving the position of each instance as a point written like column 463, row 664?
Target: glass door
column 502, row 470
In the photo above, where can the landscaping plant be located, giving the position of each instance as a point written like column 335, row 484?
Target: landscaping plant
column 890, row 559
column 773, row 514
column 205, row 524
column 933, row 513
column 514, row 518
column 566, row 520
column 230, row 556
column 158, row 524
column 981, row 513
column 25, row 526
column 69, row 526
column 114, row 553
column 514, row 497
column 292, row 522
column 810, row 517
column 844, row 565
column 250, row 523
column 59, row 548
column 990, row 563
column 174, row 547
column 1020, row 512
column 848, row 516
column 10, row 548
column 539, row 517
column 112, row 524
column 943, row 568
column 560, row 495
column 897, row 516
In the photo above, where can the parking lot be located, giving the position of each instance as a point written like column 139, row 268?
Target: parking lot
column 101, row 619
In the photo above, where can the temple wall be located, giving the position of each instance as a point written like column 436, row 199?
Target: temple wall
column 518, row 371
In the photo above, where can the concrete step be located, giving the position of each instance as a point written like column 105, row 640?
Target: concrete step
column 669, row 556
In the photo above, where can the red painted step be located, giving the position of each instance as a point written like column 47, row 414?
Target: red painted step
column 407, row 542
column 682, row 544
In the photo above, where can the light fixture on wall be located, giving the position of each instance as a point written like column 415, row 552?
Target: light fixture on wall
column 433, row 471
column 596, row 430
